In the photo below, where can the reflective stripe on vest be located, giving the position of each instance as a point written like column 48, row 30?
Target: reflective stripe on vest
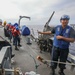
column 63, row 32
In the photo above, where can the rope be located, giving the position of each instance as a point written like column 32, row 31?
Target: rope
column 48, row 61
column 58, row 62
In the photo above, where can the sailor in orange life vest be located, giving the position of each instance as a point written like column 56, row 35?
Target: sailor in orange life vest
column 16, row 37
column 3, row 41
column 64, row 34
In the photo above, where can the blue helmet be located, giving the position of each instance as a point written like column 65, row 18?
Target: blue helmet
column 65, row 17
column 16, row 24
column 9, row 23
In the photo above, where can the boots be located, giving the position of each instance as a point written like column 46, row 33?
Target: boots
column 19, row 45
column 61, row 72
column 12, row 55
column 16, row 48
column 52, row 71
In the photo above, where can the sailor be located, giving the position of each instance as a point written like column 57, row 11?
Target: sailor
column 3, row 42
column 64, row 34
column 16, row 37
column 9, row 29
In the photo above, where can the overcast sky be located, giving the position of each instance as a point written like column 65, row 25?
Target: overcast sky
column 38, row 10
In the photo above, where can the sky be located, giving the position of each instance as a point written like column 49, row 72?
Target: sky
column 39, row 11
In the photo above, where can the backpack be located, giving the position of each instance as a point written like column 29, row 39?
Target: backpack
column 6, row 32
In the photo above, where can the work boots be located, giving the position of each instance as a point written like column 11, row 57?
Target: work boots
column 61, row 72
column 12, row 55
column 16, row 48
column 19, row 45
column 52, row 71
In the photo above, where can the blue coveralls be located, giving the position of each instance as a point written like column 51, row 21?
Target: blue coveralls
column 16, row 40
column 10, row 35
column 60, row 47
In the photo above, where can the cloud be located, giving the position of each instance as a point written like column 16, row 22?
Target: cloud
column 65, row 9
column 38, row 10
column 8, row 10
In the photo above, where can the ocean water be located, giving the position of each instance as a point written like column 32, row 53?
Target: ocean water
column 34, row 29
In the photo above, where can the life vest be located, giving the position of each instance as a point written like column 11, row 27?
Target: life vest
column 12, row 30
column 16, row 32
column 63, row 32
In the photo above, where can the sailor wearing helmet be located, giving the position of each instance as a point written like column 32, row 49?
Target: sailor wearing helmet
column 3, row 42
column 64, row 34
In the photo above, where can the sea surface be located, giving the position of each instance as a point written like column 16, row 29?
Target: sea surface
column 35, row 28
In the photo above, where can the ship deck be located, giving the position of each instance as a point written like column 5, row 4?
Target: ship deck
column 24, row 59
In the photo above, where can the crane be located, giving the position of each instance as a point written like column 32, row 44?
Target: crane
column 20, row 17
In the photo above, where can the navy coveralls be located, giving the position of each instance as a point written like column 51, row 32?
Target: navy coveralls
column 60, row 47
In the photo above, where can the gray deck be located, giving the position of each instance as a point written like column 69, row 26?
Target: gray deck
column 26, row 63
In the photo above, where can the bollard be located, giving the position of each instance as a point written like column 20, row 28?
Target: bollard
column 28, row 40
